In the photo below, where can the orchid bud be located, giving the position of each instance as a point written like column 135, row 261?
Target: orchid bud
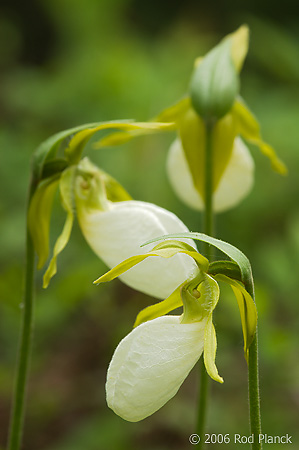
column 215, row 81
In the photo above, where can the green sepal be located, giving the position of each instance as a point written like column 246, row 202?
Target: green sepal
column 163, row 250
column 39, row 215
column 248, row 127
column 47, row 150
column 66, row 191
column 247, row 310
column 228, row 268
column 54, row 167
column 160, row 309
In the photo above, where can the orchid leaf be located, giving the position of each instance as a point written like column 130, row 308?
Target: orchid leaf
column 160, row 309
column 39, row 216
column 66, row 188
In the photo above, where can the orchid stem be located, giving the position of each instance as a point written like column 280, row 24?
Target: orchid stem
column 208, row 229
column 253, row 383
column 25, row 345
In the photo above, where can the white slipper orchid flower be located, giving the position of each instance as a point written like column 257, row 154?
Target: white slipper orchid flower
column 150, row 364
column 114, row 226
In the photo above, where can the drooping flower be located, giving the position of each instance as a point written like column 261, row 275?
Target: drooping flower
column 150, row 364
column 213, row 100
column 113, row 224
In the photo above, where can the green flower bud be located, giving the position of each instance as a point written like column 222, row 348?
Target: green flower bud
column 215, row 81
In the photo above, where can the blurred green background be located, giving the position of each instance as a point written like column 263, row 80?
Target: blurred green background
column 64, row 63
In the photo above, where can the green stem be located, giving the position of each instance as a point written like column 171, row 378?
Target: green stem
column 18, row 404
column 208, row 229
column 253, row 383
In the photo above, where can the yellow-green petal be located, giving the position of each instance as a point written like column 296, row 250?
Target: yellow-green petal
column 249, row 128
column 210, row 346
column 160, row 309
column 132, row 130
column 39, row 216
column 247, row 308
column 66, row 191
column 174, row 112
column 166, row 252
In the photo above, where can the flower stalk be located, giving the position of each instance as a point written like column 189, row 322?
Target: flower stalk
column 25, row 346
column 253, row 383
column 208, row 229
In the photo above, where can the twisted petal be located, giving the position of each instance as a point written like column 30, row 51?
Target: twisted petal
column 39, row 216
column 150, row 364
column 248, row 127
column 65, row 185
column 235, row 184
column 117, row 233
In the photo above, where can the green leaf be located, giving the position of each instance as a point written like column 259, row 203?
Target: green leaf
column 231, row 251
column 164, row 250
column 66, row 191
column 247, row 309
column 160, row 309
column 39, row 215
